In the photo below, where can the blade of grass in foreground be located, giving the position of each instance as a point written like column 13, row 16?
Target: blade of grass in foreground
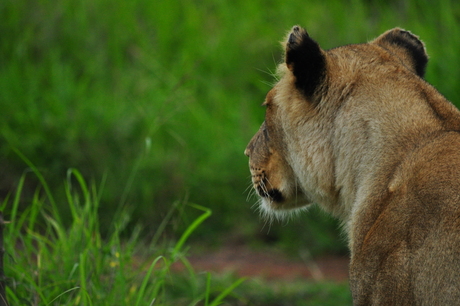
column 226, row 292
column 147, row 279
column 191, row 228
column 44, row 184
column 62, row 294
column 51, row 264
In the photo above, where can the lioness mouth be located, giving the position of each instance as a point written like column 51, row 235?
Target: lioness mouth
column 273, row 194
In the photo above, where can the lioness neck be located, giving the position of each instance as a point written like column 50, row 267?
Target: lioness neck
column 375, row 134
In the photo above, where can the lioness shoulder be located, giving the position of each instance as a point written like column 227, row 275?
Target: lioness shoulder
column 357, row 130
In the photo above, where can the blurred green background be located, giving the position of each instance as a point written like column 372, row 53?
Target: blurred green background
column 154, row 101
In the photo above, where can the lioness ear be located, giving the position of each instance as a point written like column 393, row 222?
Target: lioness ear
column 408, row 47
column 306, row 60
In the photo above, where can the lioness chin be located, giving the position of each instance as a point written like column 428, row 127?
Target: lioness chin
column 357, row 130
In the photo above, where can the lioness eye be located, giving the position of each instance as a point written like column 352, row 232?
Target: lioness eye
column 265, row 130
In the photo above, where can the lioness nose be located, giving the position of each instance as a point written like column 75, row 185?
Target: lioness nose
column 246, row 152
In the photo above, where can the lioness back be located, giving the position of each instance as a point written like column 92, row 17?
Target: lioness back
column 357, row 130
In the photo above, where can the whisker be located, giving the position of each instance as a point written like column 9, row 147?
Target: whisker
column 269, row 84
column 263, row 186
column 249, row 190
column 268, row 181
column 251, row 193
column 268, row 221
column 270, row 73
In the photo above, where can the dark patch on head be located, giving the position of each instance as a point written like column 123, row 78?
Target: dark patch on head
column 276, row 195
column 306, row 60
column 273, row 194
column 412, row 45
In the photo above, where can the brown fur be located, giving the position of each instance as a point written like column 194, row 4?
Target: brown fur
column 357, row 130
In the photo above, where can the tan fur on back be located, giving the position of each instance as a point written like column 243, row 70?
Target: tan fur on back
column 379, row 148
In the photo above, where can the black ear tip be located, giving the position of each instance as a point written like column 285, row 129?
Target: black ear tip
column 305, row 59
column 296, row 29
column 296, row 36
column 291, row 39
column 407, row 43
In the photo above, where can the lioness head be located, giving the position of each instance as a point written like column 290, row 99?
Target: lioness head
column 297, row 157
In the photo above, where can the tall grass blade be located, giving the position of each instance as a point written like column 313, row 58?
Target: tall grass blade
column 226, row 292
column 191, row 228
column 84, row 296
column 159, row 281
column 44, row 184
column 81, row 182
column 14, row 208
column 62, row 294
column 208, row 288
column 15, row 225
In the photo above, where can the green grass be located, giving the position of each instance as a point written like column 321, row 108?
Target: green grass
column 47, row 263
column 155, row 101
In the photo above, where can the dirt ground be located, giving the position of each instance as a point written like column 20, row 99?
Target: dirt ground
column 268, row 263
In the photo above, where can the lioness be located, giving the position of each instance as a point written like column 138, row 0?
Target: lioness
column 357, row 130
